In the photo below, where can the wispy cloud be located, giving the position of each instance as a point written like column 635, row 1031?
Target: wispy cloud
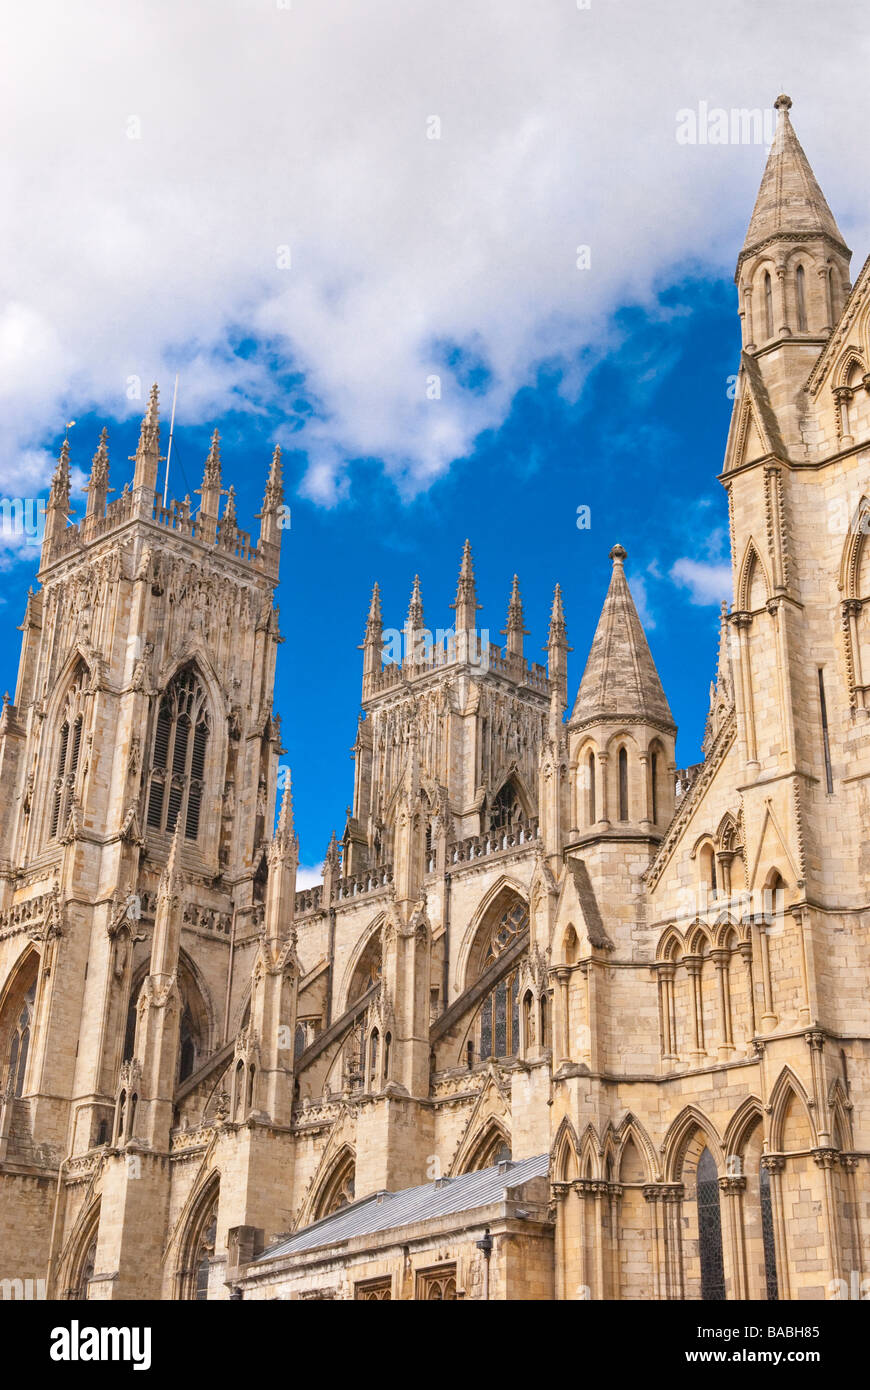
column 707, row 582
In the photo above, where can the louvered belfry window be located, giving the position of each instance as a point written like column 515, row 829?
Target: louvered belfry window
column 178, row 758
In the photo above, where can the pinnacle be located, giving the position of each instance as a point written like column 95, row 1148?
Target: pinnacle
column 620, row 679
column 789, row 200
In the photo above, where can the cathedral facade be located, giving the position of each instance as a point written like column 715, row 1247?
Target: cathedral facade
column 561, row 1021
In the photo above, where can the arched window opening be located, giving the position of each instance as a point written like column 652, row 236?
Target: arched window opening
column 770, row 1279
column 204, row 1254
column 388, row 1041
column 800, row 298
column 86, row 1271
column 338, row 1191
column 545, row 1022
column 774, row 896
column 654, row 787
column 240, row 1090
column 497, row 1029
column 506, row 809
column 249, row 1102
column 709, row 1230
column 768, row 305
column 19, row 1047
column 528, row 1024
column 707, row 868
column 623, row 784
column 590, row 791
column 67, row 765
column 374, row 1047
column 187, row 1048
column 178, row 758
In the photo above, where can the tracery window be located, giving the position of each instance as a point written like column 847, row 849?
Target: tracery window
column 497, row 1026
column 19, row 1046
column 86, row 1272
column 506, row 809
column 204, row 1255
column 178, row 757
column 709, row 1230
column 338, row 1191
column 374, row 1291
column 437, row 1285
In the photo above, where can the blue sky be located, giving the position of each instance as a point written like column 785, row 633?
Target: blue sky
column 309, row 209
column 641, row 447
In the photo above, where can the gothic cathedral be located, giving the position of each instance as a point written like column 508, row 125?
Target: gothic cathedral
column 562, row 1021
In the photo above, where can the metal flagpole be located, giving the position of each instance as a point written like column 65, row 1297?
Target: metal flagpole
column 169, row 448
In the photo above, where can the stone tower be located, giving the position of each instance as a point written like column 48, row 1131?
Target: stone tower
column 139, row 756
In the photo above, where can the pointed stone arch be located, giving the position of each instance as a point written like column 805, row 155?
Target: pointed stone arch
column 565, row 1152
column 485, row 1148
column 504, row 889
column 852, row 552
column 513, row 779
column 748, row 1115
column 841, row 1111
column 337, row 1187
column 339, row 1146
column 18, row 1007
column 197, row 1239
column 630, row 1130
column 746, row 573
column 671, row 945
column 788, row 1089
column 367, row 948
column 590, row 1154
column 78, row 1262
column 683, row 1128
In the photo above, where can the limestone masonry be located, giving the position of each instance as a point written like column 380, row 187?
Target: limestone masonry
column 561, row 1021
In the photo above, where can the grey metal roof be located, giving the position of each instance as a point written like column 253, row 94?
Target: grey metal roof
column 383, row 1211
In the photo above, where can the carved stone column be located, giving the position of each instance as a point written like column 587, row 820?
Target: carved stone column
column 775, row 1164
column 732, row 1191
column 722, row 960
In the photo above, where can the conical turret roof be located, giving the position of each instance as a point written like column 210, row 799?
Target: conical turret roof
column 789, row 200
column 620, row 679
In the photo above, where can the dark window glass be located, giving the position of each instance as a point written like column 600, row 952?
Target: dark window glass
column 767, row 1235
column 709, row 1230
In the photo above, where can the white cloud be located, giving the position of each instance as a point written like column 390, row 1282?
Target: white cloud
column 706, row 582
column 309, row 876
column 262, row 128
column 637, row 585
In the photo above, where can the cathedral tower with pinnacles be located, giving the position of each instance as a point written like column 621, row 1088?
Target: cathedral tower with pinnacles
column 562, row 1021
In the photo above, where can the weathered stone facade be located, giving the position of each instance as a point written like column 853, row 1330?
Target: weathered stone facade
column 538, row 943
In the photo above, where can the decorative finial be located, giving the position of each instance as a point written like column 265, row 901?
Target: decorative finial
column 782, row 103
column 618, row 554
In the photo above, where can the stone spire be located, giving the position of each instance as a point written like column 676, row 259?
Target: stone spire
column 414, row 626
column 620, row 679
column 372, row 643
column 97, row 488
column 466, row 604
column 57, row 507
column 789, row 200
column 147, row 458
column 270, row 515
column 557, row 650
column 515, row 631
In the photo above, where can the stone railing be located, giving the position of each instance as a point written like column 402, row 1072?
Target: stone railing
column 493, row 842
column 370, row 881
column 309, row 900
column 29, row 913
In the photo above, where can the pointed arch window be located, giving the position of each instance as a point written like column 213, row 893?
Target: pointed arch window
column 768, row 305
column 801, row 298
column 19, row 1047
column 178, row 756
column 506, row 810
column 497, row 1026
column 710, row 1230
column 622, row 763
column 339, row 1189
column 590, row 766
column 67, row 761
